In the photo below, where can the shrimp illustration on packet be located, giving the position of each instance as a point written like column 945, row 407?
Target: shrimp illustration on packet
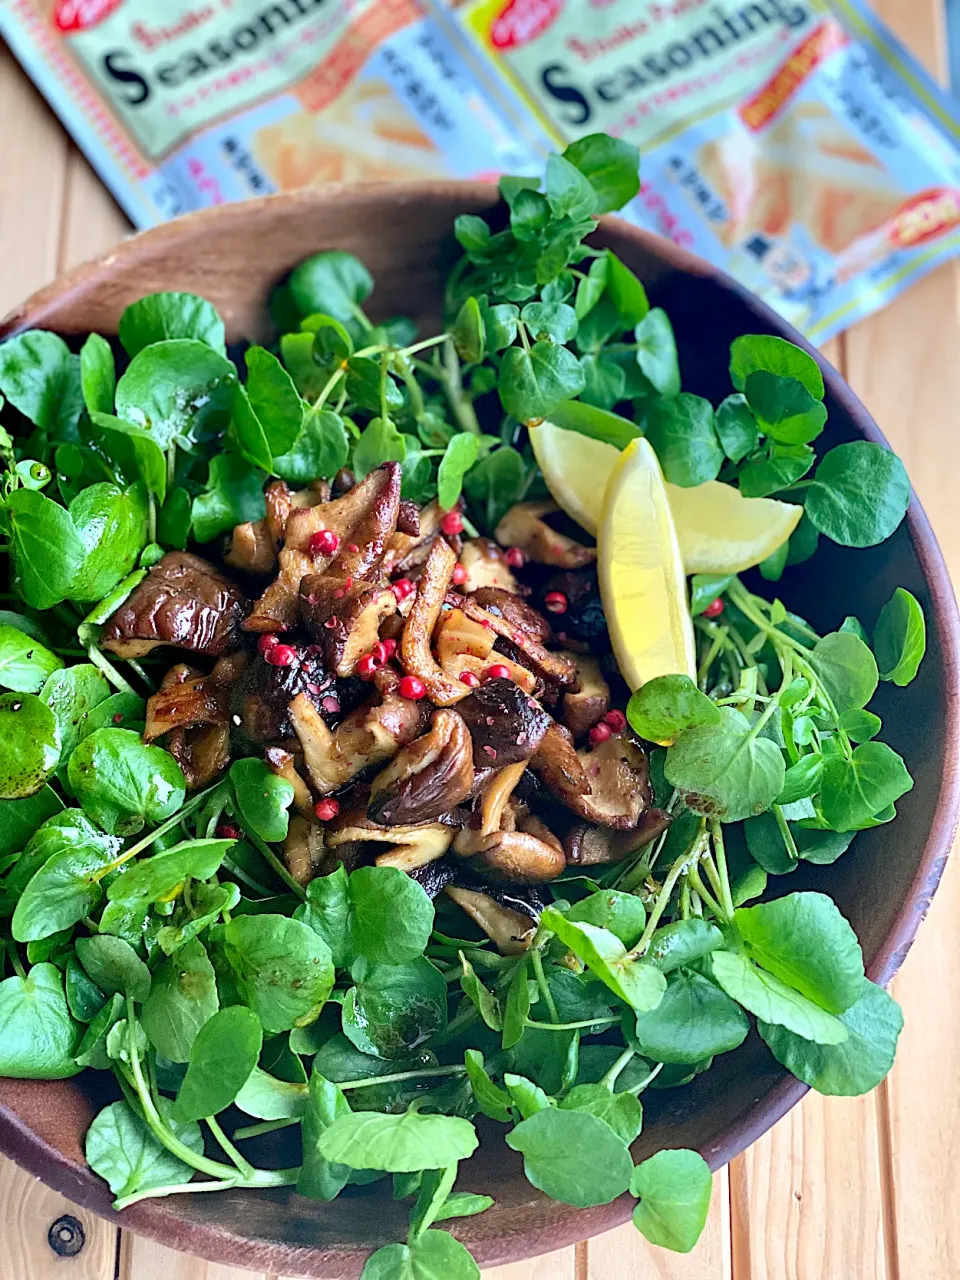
column 793, row 143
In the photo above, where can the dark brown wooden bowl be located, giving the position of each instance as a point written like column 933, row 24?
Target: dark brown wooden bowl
column 232, row 255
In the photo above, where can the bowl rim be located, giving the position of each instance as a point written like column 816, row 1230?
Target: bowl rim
column 158, row 1219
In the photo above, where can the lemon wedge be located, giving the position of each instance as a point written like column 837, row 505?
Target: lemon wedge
column 642, row 581
column 719, row 530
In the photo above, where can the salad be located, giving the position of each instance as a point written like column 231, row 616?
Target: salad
column 392, row 748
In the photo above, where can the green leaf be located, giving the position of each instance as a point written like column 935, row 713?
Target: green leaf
column 657, row 352
column 41, row 378
column 847, row 668
column 611, row 166
column 72, row 693
column 380, row 442
column 736, row 427
column 134, row 451
column 497, row 482
column 112, row 525
column 334, row 282
column 319, row 451
column 461, row 453
column 599, row 424
column 47, row 550
column 621, row 1111
column 391, row 915
column 263, row 799
column 468, row 332
column 500, row 325
column 129, row 707
column 638, row 983
column 98, row 374
column 555, row 321
column 433, row 1256
column 858, row 788
column 319, row 1178
column 900, row 638
column 114, row 966
column 158, row 877
column 723, row 770
column 20, row 819
column 398, row 1143
column 208, row 903
column 754, row 352
column 31, row 744
column 177, row 390
column 483, row 1000
column 327, row 912
column 805, row 941
column 590, row 287
column 122, row 783
column 573, row 1157
column 183, row 997
column 247, row 430
column 787, row 463
column 707, row 587
column 627, row 295
column 569, row 192
column 122, row 1150
column 274, row 399
column 222, row 1057
column 283, row 969
column 681, row 431
column 859, row 494
column 268, row 1098
column 234, row 494
column 532, row 383
column 802, row 779
column 93, row 1047
column 160, row 316
column 693, row 1021
column 38, row 1037
column 527, row 1097
column 857, row 1065
column 516, row 1008
column 623, row 914
column 395, row 1008
column 673, row 1189
column 463, row 1204
column 58, row 875
column 682, row 942
column 771, row 1000
column 666, row 706
column 490, row 1098
column 25, row 664
column 784, row 408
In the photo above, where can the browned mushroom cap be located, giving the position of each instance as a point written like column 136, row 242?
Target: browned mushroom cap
column 364, row 518
column 368, row 736
column 282, row 764
column 494, row 796
column 405, row 550
column 524, row 526
column 426, row 778
column 414, row 844
column 608, row 784
column 549, row 666
column 253, row 545
column 415, row 652
column 183, row 601
column 587, row 845
column 465, row 645
column 486, row 567
column 185, row 698
column 262, row 695
column 344, row 620
column 519, row 615
column 303, row 849
column 511, row 931
column 587, row 705
column 506, row 724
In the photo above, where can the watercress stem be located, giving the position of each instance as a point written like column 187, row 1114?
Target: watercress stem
column 686, row 860
column 244, row 1167
column 109, row 670
column 461, row 407
column 271, row 858
column 609, row 1078
column 639, row 1088
column 694, row 876
column 148, row 840
column 571, row 1026
column 726, row 896
column 545, row 991
column 397, row 1076
column 222, row 1184
column 786, row 834
column 265, row 1126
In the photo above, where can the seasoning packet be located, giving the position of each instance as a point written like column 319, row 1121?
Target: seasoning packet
column 793, row 143
column 180, row 105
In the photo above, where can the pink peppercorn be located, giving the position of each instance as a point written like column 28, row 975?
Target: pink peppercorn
column 452, row 523
column 599, row 733
column 497, row 672
column 713, row 609
column 324, row 543
column 515, row 557
column 412, row 687
column 555, row 602
column 616, row 720
column 402, row 588
column 326, row 809
column 459, row 574
column 470, row 679
column 280, row 655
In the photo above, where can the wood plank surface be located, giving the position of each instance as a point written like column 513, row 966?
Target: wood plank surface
column 841, row 1189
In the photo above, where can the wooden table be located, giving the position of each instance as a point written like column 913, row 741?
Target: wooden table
column 841, row 1189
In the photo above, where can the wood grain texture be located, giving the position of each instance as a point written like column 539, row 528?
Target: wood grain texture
column 142, row 1259
column 28, row 1209
column 561, row 1265
column 625, row 1255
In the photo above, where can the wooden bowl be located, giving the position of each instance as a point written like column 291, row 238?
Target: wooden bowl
column 232, row 255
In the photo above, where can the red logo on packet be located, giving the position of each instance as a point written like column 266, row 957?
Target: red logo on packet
column 79, row 15
column 925, row 216
column 522, row 21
